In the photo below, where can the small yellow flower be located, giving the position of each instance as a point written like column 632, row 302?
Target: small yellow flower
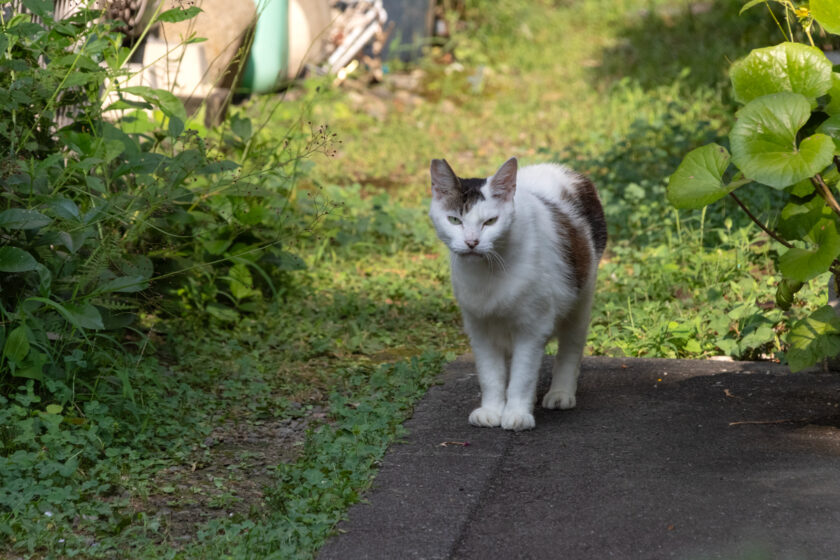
column 802, row 12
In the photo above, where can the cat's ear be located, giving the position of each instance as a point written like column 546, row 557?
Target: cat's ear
column 503, row 183
column 444, row 181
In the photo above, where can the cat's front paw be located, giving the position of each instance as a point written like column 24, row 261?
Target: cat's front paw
column 559, row 399
column 485, row 417
column 518, row 420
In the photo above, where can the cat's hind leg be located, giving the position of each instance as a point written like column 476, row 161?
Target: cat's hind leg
column 571, row 339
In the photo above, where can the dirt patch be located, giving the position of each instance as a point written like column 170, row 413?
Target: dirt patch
column 226, row 476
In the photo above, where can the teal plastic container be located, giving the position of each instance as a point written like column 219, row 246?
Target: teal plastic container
column 268, row 62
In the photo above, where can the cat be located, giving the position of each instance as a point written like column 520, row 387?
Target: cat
column 524, row 250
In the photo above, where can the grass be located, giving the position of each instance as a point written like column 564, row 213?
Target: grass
column 619, row 89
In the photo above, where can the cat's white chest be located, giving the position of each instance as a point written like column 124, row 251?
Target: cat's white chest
column 485, row 293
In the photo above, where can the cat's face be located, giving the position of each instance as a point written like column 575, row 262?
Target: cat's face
column 472, row 216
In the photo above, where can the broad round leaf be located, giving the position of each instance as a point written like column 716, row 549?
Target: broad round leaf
column 833, row 107
column 803, row 264
column 764, row 141
column 786, row 67
column 13, row 259
column 827, row 13
column 698, row 180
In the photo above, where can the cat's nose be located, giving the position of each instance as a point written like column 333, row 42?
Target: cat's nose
column 471, row 243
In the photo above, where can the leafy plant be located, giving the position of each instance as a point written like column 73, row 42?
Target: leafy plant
column 108, row 210
column 787, row 138
column 125, row 203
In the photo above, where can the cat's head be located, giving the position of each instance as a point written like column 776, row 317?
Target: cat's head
column 472, row 216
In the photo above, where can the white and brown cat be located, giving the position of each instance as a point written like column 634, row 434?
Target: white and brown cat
column 524, row 249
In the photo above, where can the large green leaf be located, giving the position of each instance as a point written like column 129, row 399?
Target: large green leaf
column 65, row 208
column 20, row 218
column 17, row 345
column 764, row 141
column 80, row 315
column 803, row 264
column 833, row 106
column 814, row 338
column 827, row 13
column 791, row 67
column 698, row 180
column 83, row 316
column 42, row 8
column 13, row 259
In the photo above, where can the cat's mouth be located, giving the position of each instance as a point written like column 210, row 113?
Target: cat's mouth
column 471, row 254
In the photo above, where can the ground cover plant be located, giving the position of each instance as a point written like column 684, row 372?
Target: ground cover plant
column 269, row 282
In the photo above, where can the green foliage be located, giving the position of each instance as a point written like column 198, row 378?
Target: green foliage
column 698, row 181
column 764, row 145
column 63, row 468
column 125, row 203
column 790, row 67
column 814, row 338
column 110, row 217
column 827, row 13
column 784, row 138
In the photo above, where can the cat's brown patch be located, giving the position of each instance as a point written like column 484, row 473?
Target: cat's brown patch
column 572, row 242
column 584, row 197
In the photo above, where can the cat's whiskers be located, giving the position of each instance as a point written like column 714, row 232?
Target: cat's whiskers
column 493, row 257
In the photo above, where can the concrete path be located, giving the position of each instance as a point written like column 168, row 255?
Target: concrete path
column 660, row 459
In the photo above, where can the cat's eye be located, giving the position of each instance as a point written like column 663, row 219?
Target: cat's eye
column 454, row 221
column 491, row 221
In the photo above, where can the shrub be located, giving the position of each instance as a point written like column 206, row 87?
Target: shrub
column 110, row 216
column 123, row 210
